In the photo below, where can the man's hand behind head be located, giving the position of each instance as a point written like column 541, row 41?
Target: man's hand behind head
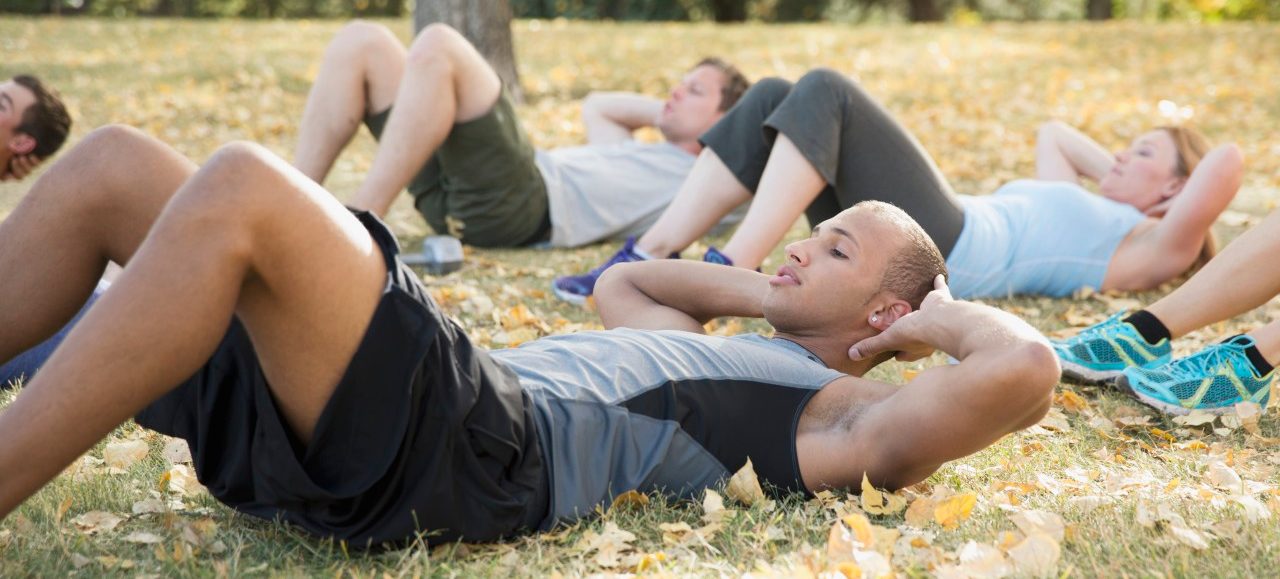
column 907, row 335
column 19, row 167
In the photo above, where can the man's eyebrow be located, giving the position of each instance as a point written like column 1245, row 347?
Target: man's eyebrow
column 817, row 229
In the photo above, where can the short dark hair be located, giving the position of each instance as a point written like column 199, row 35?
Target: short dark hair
column 912, row 269
column 46, row 120
column 735, row 83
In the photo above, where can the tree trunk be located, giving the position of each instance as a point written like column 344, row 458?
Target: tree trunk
column 486, row 23
column 729, row 10
column 924, row 11
column 611, row 9
column 1098, row 9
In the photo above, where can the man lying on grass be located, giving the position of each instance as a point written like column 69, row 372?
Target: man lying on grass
column 315, row 381
column 33, row 125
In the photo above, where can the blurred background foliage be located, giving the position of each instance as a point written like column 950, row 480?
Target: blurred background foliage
column 961, row 11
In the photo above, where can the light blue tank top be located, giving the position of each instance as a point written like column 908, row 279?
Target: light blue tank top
column 1037, row 237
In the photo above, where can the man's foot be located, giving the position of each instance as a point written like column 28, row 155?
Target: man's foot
column 576, row 289
column 1101, row 352
column 1213, row 380
column 713, row 255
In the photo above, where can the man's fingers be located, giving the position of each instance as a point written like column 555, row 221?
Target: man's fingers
column 871, row 346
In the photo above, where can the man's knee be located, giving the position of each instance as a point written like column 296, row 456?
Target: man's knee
column 767, row 92
column 826, row 81
column 112, row 138
column 434, row 44
column 362, row 31
column 238, row 178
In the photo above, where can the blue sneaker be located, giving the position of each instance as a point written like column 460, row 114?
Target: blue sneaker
column 713, row 255
column 1100, row 352
column 577, row 288
column 1213, row 380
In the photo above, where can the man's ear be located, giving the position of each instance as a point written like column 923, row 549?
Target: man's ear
column 22, row 144
column 888, row 313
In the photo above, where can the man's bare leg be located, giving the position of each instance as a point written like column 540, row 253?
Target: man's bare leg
column 246, row 235
column 787, row 186
column 94, row 204
column 359, row 76
column 445, row 82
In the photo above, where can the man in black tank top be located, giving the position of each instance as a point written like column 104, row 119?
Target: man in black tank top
column 317, row 383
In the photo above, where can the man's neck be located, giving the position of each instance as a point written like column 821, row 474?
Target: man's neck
column 833, row 352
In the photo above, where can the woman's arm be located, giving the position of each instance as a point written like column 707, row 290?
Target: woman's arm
column 1173, row 244
column 673, row 294
column 610, row 117
column 1065, row 154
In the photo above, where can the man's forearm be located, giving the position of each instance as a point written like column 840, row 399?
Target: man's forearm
column 964, row 328
column 661, row 291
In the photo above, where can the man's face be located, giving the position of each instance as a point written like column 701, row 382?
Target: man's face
column 829, row 280
column 14, row 101
column 694, row 105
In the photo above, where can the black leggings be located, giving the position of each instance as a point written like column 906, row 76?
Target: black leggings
column 861, row 152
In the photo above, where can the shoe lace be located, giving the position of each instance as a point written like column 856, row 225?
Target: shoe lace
column 1109, row 328
column 1207, row 362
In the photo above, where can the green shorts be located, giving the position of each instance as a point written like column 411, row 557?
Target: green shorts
column 482, row 186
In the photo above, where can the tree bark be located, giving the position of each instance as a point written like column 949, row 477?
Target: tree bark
column 486, row 23
column 1098, row 9
column 924, row 11
column 729, row 10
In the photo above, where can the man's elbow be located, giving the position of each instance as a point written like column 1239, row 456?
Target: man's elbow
column 1034, row 373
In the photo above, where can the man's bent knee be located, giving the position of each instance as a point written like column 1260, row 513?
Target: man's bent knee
column 362, row 33
column 828, row 81
column 437, row 41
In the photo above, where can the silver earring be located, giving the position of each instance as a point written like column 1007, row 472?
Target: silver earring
column 874, row 319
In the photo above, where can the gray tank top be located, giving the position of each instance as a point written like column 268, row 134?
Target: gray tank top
column 663, row 411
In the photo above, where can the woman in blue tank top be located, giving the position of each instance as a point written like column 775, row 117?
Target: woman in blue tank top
column 822, row 144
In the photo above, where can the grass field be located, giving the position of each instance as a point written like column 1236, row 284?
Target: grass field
column 1136, row 494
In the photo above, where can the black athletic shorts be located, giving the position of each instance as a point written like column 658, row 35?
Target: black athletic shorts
column 423, row 433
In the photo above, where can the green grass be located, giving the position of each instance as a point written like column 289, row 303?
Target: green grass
column 974, row 96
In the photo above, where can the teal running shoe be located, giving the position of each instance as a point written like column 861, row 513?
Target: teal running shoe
column 1099, row 353
column 1213, row 380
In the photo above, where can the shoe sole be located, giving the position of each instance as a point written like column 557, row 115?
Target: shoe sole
column 565, row 296
column 1078, row 373
column 1175, row 409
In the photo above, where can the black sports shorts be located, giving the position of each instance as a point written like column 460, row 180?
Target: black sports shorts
column 424, row 433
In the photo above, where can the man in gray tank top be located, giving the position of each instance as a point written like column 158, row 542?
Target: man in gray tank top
column 454, row 140
column 341, row 400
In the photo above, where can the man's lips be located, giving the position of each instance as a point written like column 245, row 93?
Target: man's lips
column 786, row 276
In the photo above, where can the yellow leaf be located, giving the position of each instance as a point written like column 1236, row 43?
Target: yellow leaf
column 1071, row 402
column 849, row 569
column 840, row 543
column 952, row 510
column 1033, row 521
column 631, row 499
column 650, row 560
column 880, row 503
column 713, row 507
column 861, row 528
column 744, row 486
column 920, row 513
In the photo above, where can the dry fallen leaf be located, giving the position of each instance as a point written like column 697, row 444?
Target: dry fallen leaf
column 880, row 503
column 713, row 510
column 1036, row 556
column 183, row 481
column 1224, row 477
column 1035, row 521
column 176, row 451
column 124, row 454
column 744, row 486
column 951, row 511
column 920, row 512
column 143, row 537
column 94, row 522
